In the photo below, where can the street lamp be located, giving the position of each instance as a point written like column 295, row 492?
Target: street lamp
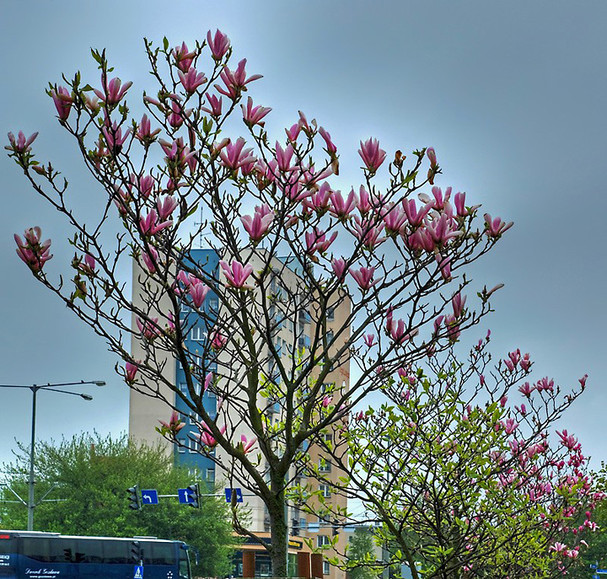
column 50, row 388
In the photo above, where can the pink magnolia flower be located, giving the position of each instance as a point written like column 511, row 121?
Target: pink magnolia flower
column 113, row 91
column 340, row 208
column 88, row 265
column 253, row 115
column 369, row 339
column 526, row 389
column 293, row 132
column 236, row 273
column 368, row 232
column 198, row 291
column 371, row 154
column 431, row 154
column 178, row 156
column 191, row 80
column 63, row 101
column 183, row 57
column 364, row 201
column 317, row 241
column 326, row 401
column 339, row 268
column 246, row 445
column 218, row 43
column 144, row 184
column 174, row 425
column 568, row 440
column 22, row 143
column 496, row 227
column 148, row 328
column 218, row 340
column 442, row 230
column 176, row 117
column 215, row 105
column 397, row 330
column 258, row 224
column 364, row 277
column 395, row 220
column 166, row 206
column 458, row 302
column 150, row 258
column 235, row 81
column 460, row 204
column 283, row 157
column 444, row 263
column 234, row 155
column 144, row 131
column 331, row 148
column 150, row 225
column 130, row 373
column 114, row 137
column 31, row 250
column 319, row 201
column 414, row 216
column 208, row 380
column 206, row 438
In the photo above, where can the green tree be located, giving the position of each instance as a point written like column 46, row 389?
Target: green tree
column 461, row 470
column 361, row 554
column 91, row 474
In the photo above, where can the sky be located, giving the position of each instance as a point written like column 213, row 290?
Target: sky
column 510, row 94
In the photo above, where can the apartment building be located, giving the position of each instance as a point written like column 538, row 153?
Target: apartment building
column 290, row 334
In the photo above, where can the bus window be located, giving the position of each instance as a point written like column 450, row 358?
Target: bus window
column 160, row 554
column 91, row 551
column 184, row 563
column 116, row 552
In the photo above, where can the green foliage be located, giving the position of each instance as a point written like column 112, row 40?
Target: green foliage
column 361, row 554
column 92, row 474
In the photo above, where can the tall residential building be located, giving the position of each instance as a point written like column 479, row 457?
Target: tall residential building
column 290, row 335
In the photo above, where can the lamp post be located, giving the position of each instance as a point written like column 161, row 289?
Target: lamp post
column 34, row 389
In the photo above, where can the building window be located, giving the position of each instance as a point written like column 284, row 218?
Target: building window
column 198, row 334
column 193, row 446
column 330, row 314
column 209, row 475
column 213, row 304
column 330, row 336
column 326, row 568
column 328, row 438
column 324, row 465
column 325, row 490
column 183, row 387
column 322, row 540
column 181, row 444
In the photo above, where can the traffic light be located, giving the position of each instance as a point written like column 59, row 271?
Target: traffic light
column 295, row 525
column 136, row 552
column 134, row 498
column 193, row 492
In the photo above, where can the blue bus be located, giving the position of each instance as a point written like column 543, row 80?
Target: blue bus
column 36, row 555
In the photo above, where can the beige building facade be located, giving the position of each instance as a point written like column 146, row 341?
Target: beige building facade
column 291, row 335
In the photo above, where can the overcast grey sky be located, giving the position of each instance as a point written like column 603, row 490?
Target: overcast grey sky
column 510, row 94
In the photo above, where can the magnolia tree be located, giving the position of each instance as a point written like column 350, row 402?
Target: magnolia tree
column 291, row 249
column 460, row 474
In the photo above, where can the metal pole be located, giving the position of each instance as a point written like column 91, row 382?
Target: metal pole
column 32, row 482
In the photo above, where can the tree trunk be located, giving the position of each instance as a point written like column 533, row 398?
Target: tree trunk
column 278, row 532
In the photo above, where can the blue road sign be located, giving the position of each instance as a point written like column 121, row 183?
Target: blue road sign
column 229, row 495
column 149, row 497
column 184, row 497
column 138, row 573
